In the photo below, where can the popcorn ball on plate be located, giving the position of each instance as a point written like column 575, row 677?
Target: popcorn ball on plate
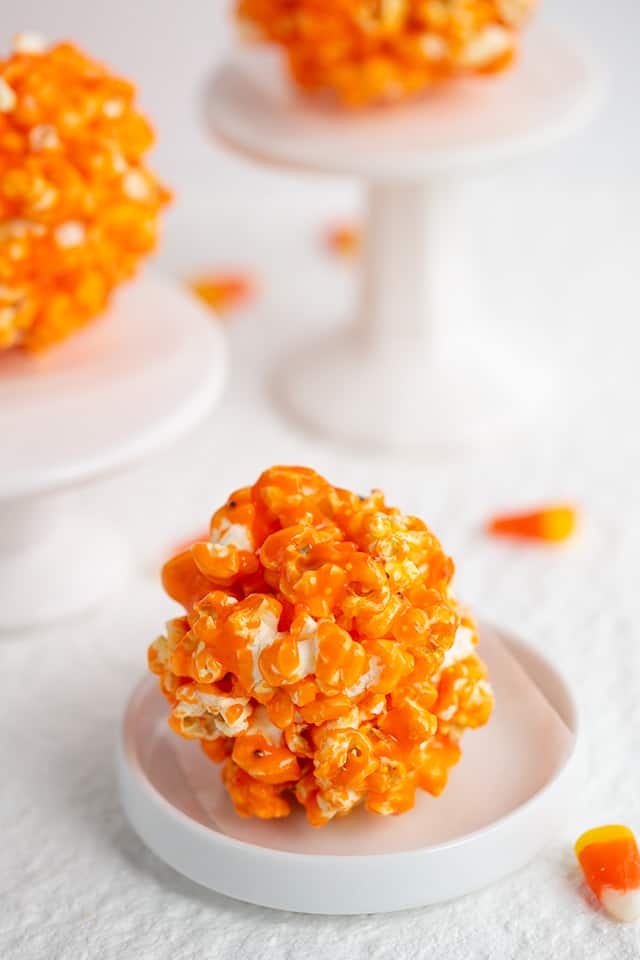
column 322, row 658
column 78, row 208
column 382, row 50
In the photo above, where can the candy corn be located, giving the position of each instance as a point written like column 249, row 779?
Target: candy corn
column 553, row 523
column 611, row 866
column 344, row 240
column 223, row 291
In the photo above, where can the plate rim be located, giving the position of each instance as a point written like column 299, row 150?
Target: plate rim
column 33, row 481
column 242, row 846
column 241, row 67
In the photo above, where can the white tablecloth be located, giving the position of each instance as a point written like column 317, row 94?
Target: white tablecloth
column 553, row 267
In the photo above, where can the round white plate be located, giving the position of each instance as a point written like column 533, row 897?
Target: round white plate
column 133, row 380
column 552, row 90
column 492, row 820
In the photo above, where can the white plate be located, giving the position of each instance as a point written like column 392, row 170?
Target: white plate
column 553, row 90
column 132, row 381
column 489, row 822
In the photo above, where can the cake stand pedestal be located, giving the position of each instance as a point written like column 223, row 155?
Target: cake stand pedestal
column 402, row 374
column 132, row 381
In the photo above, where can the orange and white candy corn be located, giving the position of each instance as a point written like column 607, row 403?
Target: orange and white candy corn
column 611, row 866
column 223, row 291
column 344, row 240
column 553, row 524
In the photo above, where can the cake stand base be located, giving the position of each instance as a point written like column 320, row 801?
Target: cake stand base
column 386, row 394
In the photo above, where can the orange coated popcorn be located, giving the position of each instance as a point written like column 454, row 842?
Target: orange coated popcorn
column 78, row 208
column 322, row 657
column 384, row 50
column 554, row 524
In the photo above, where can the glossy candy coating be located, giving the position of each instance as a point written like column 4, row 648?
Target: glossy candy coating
column 368, row 51
column 78, row 208
column 322, row 657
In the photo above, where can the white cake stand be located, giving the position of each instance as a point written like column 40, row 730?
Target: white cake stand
column 401, row 375
column 132, row 381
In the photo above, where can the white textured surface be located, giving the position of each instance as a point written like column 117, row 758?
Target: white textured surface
column 75, row 882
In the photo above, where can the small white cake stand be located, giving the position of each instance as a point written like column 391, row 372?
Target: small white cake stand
column 364, row 863
column 400, row 374
column 132, row 381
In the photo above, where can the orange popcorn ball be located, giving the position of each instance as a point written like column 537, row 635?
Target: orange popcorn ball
column 554, row 524
column 385, row 50
column 78, row 208
column 223, row 291
column 323, row 658
column 611, row 866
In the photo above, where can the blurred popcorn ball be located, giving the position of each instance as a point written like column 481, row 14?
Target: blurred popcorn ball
column 322, row 657
column 384, row 50
column 78, row 208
